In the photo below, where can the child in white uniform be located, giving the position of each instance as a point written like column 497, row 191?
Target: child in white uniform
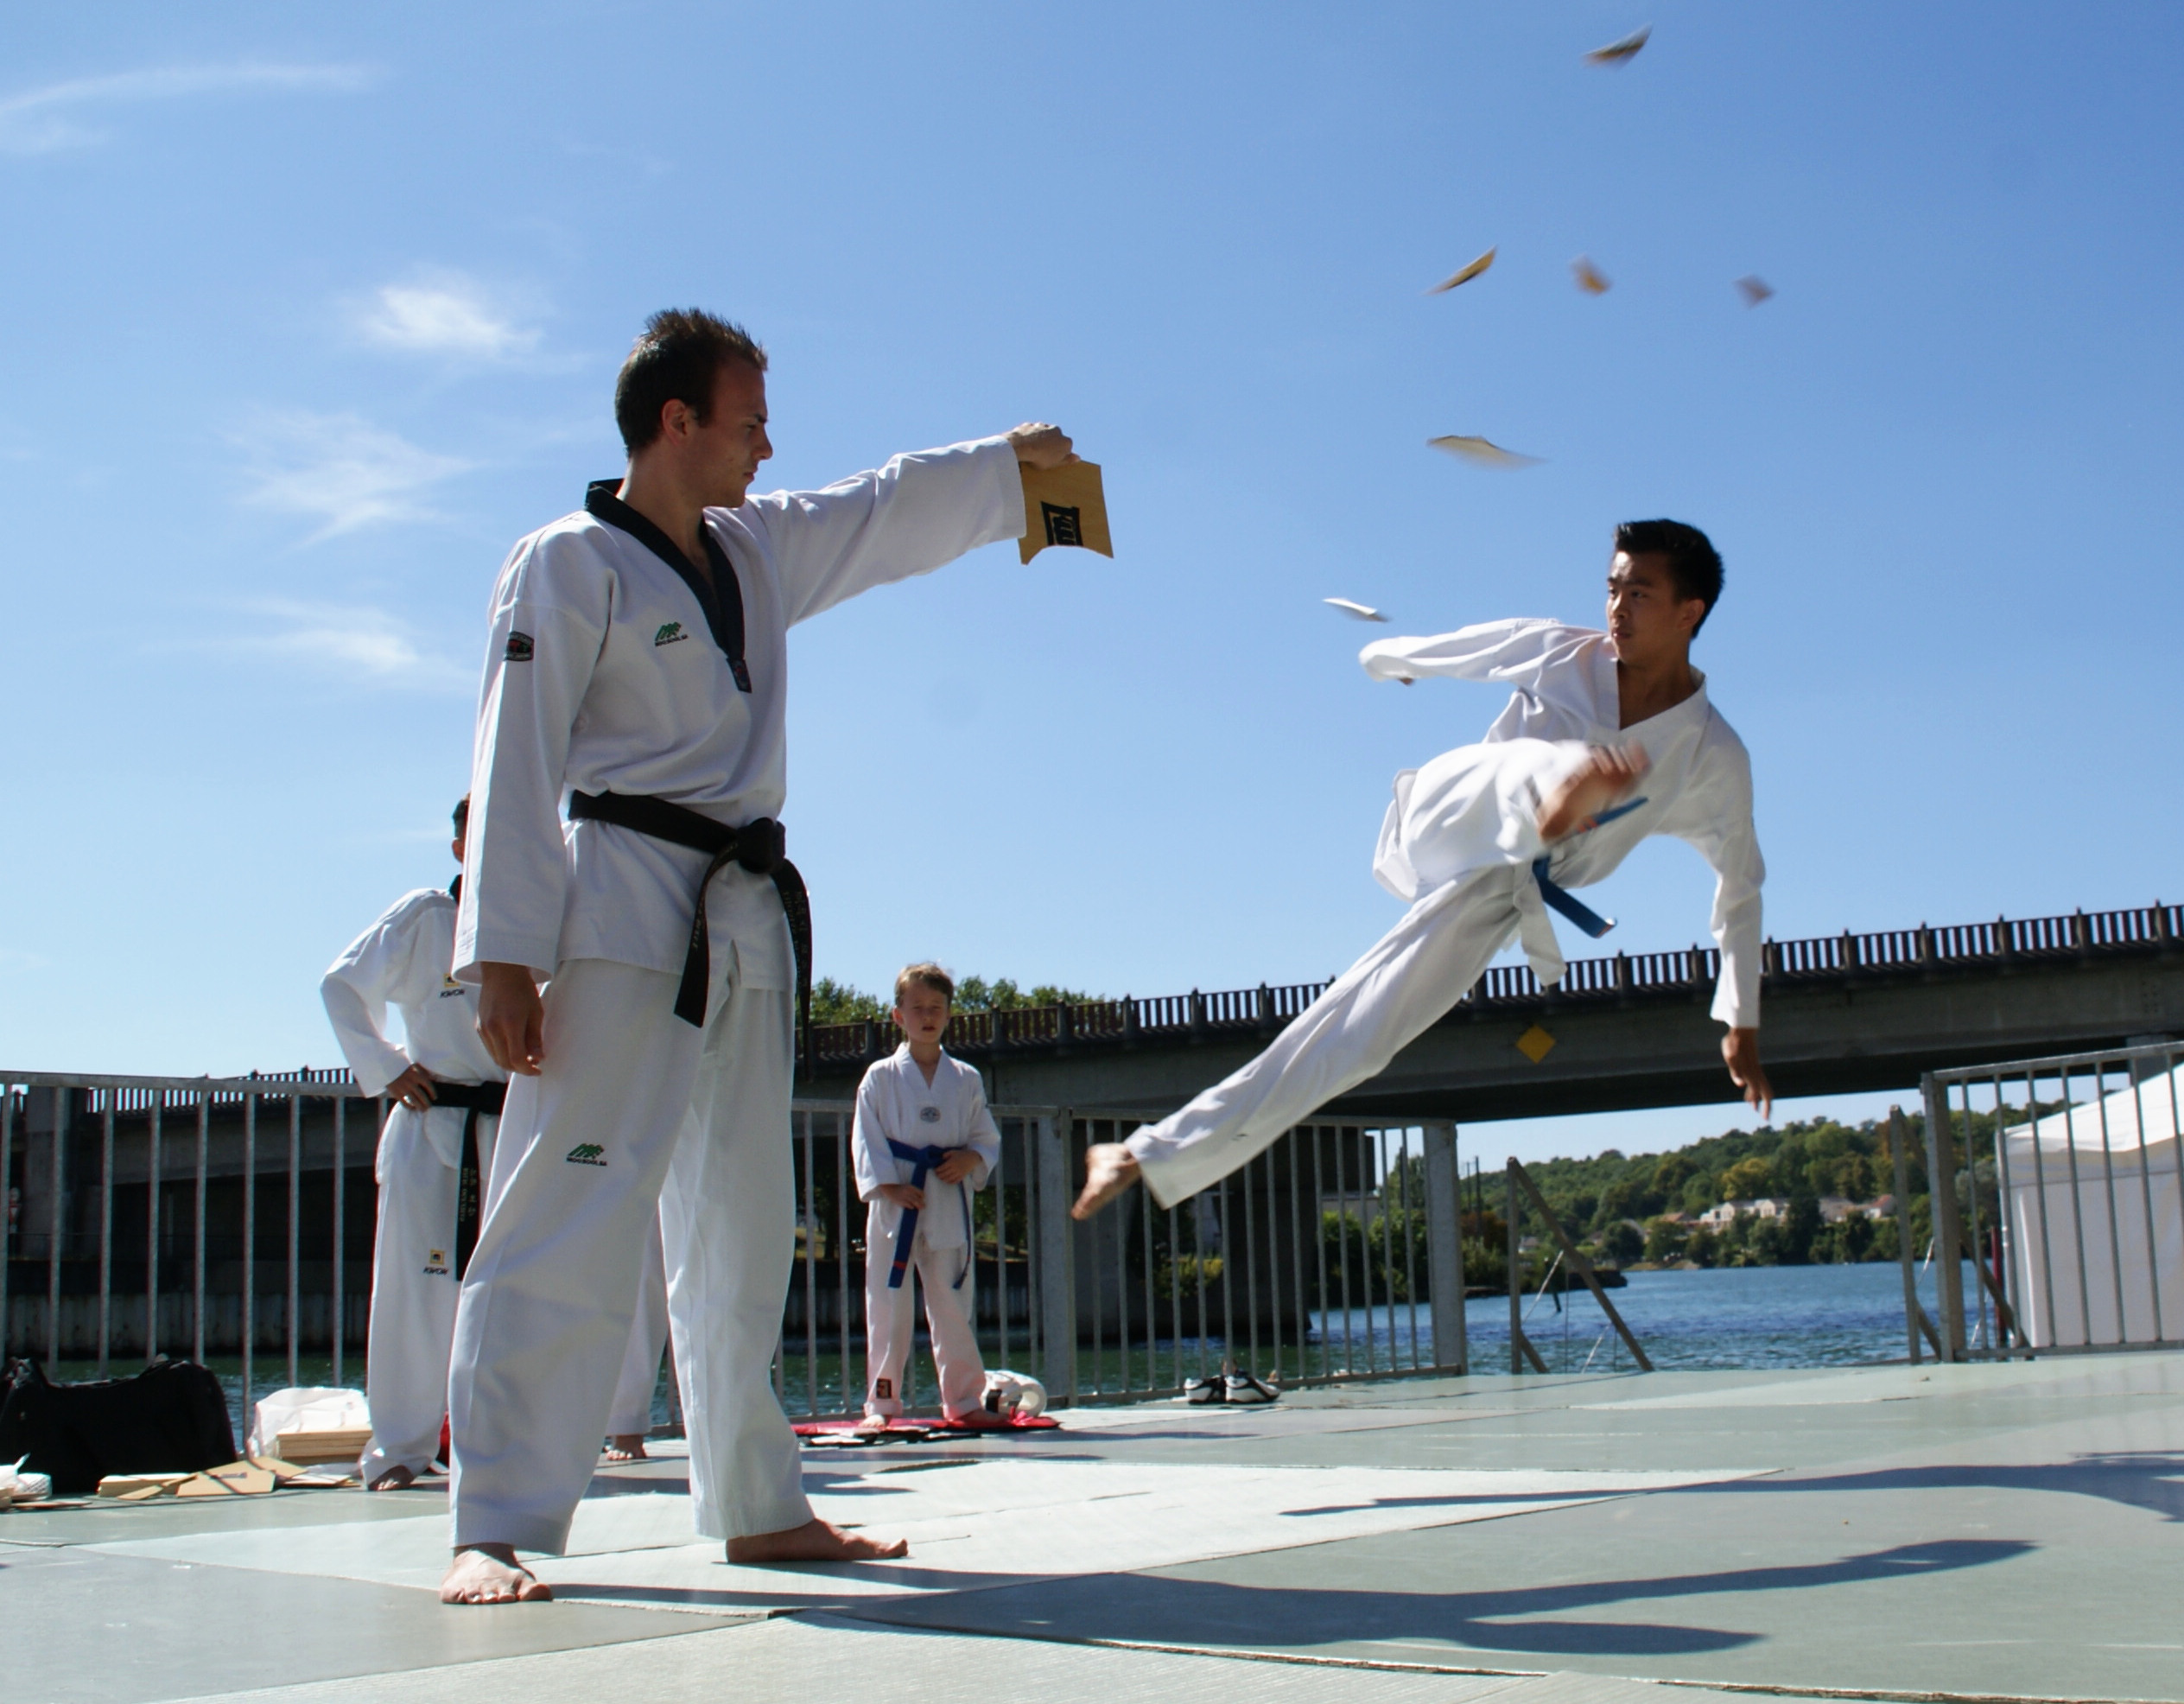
column 922, row 1142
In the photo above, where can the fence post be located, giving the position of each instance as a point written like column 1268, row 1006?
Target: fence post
column 1914, row 1316
column 1445, row 1248
column 1516, row 1289
column 1058, row 1294
column 1948, row 1232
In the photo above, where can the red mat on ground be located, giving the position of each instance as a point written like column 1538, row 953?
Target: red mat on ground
column 909, row 1430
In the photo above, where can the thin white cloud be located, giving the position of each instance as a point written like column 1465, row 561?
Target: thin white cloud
column 61, row 115
column 443, row 314
column 344, row 471
column 363, row 645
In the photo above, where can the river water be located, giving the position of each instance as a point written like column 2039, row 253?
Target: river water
column 1753, row 1316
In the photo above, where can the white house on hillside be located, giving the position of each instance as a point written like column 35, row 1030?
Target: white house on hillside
column 1766, row 1207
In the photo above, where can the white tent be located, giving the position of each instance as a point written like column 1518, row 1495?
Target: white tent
column 2097, row 1219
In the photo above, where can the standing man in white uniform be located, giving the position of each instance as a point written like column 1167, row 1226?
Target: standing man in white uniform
column 921, row 1142
column 1484, row 839
column 637, row 669
column 433, row 1155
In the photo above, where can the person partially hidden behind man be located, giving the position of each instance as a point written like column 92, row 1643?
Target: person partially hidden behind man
column 637, row 667
column 433, row 1155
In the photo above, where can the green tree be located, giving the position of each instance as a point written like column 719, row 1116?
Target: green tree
column 834, row 1002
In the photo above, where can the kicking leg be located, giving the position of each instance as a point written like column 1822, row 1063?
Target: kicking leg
column 1411, row 975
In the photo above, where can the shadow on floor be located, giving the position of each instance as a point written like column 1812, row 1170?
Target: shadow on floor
column 2148, row 1480
column 1166, row 1610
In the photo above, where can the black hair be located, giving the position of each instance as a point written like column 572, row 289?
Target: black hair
column 1693, row 563
column 462, row 816
column 675, row 360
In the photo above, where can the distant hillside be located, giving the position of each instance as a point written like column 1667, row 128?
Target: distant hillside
column 1617, row 1203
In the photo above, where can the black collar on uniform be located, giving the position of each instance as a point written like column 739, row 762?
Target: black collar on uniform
column 454, row 888
column 723, row 613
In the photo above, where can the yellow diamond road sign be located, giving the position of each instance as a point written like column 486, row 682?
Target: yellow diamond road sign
column 1535, row 1044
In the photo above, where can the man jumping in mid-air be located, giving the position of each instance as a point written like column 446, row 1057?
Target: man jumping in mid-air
column 1485, row 838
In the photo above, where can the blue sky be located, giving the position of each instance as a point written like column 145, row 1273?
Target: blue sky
column 310, row 315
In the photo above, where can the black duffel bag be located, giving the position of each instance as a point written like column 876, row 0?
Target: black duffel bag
column 170, row 1418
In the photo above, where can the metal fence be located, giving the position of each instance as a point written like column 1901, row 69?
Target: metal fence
column 233, row 1219
column 145, row 1215
column 2058, row 1182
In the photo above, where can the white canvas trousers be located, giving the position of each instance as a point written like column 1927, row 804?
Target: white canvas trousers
column 1411, row 975
column 891, row 1319
column 631, row 1414
column 413, row 1294
column 632, row 1107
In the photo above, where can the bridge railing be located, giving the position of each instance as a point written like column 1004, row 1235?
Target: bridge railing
column 1687, row 972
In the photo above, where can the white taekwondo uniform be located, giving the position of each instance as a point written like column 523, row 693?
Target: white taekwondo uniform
column 403, row 960
column 606, row 673
column 630, row 1417
column 1459, row 844
column 896, row 1104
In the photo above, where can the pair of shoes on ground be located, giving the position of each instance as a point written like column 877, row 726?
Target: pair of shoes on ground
column 1241, row 1390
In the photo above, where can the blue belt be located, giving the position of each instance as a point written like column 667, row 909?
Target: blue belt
column 922, row 1160
column 1568, row 904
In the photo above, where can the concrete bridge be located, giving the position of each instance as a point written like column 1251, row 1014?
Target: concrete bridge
column 1843, row 1014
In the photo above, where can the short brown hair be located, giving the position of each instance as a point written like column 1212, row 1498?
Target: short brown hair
column 927, row 975
column 1694, row 564
column 675, row 360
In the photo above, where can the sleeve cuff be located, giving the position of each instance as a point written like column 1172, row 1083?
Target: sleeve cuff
column 536, row 953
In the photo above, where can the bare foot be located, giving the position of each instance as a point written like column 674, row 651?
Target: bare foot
column 977, row 1420
column 1109, row 1168
column 489, row 1573
column 396, row 1478
column 1605, row 776
column 626, row 1447
column 874, row 1423
column 816, row 1540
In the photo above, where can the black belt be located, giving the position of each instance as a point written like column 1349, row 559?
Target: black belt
column 757, row 846
column 474, row 1098
column 478, row 1097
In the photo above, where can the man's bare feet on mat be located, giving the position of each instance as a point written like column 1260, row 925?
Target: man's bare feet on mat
column 1109, row 1168
column 626, row 1447
column 872, row 1423
column 977, row 1420
column 1605, row 776
column 816, row 1540
column 489, row 1573
column 396, row 1478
